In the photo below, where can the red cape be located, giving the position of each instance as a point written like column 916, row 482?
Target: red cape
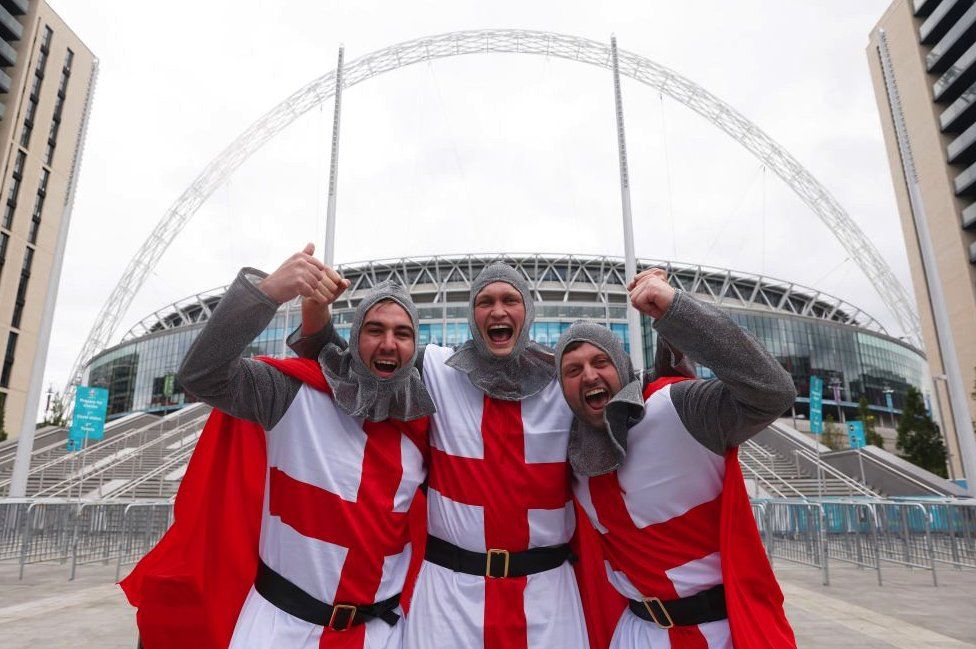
column 190, row 587
column 752, row 594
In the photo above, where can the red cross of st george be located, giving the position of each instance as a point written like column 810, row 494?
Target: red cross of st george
column 368, row 527
column 506, row 487
column 645, row 554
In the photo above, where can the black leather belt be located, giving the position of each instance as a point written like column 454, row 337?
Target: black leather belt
column 706, row 606
column 496, row 563
column 293, row 600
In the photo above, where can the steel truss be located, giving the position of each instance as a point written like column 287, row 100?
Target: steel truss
column 497, row 41
column 579, row 279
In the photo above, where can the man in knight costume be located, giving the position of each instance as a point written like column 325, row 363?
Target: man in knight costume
column 655, row 469
column 500, row 514
column 291, row 524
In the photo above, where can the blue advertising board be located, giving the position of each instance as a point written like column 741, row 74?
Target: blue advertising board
column 855, row 434
column 816, row 405
column 889, row 402
column 88, row 420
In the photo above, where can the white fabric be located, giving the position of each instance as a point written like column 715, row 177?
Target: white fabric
column 447, row 610
column 665, row 474
column 316, row 443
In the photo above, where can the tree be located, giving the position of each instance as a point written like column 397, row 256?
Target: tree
column 3, row 420
column 54, row 416
column 919, row 439
column 832, row 436
column 871, row 436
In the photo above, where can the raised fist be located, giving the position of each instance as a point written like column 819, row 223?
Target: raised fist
column 650, row 292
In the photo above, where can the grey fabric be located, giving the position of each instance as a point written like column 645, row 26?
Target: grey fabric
column 213, row 370
column 360, row 393
column 751, row 388
column 525, row 371
column 595, row 451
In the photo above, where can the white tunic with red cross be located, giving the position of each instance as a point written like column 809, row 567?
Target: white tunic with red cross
column 498, row 480
column 658, row 520
column 334, row 521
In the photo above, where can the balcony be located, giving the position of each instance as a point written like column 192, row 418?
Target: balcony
column 969, row 217
column 923, row 8
column 19, row 7
column 960, row 113
column 956, row 79
column 3, row 111
column 956, row 41
column 972, row 253
column 8, row 55
column 941, row 20
column 962, row 150
column 965, row 182
column 10, row 27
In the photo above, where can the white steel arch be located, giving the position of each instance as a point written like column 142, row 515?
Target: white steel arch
column 497, row 41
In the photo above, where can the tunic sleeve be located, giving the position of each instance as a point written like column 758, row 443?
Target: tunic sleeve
column 213, row 370
column 751, row 388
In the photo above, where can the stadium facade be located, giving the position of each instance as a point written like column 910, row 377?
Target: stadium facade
column 808, row 332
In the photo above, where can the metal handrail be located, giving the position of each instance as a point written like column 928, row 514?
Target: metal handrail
column 175, row 460
column 766, row 482
column 843, row 477
column 100, row 445
column 70, row 481
column 901, row 474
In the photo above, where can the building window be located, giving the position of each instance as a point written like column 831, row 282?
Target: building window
column 18, row 174
column 21, row 299
column 52, row 137
column 36, row 88
column 4, row 240
column 35, row 225
column 8, row 360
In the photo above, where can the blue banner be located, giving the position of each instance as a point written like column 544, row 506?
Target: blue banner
column 855, row 434
column 816, row 405
column 88, row 420
column 889, row 402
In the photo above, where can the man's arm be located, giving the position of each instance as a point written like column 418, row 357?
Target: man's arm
column 213, row 369
column 751, row 388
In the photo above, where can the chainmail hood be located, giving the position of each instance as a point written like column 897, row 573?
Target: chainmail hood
column 360, row 393
column 522, row 373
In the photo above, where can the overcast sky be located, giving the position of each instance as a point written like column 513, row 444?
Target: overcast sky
column 470, row 154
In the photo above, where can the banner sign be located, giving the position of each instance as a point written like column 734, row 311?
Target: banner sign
column 816, row 405
column 88, row 421
column 889, row 402
column 855, row 434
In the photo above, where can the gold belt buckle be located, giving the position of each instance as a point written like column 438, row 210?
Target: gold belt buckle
column 492, row 554
column 335, row 610
column 654, row 616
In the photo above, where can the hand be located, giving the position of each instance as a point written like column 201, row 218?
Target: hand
column 300, row 274
column 650, row 292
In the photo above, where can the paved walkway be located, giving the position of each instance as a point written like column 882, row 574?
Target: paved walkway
column 45, row 610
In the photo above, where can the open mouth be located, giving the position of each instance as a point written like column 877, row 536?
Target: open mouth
column 385, row 366
column 597, row 398
column 500, row 333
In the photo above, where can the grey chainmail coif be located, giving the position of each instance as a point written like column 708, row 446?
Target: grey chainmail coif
column 595, row 451
column 360, row 393
column 522, row 373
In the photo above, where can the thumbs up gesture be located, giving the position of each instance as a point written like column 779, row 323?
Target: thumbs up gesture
column 302, row 274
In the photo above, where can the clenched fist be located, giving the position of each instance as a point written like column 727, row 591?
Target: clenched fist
column 302, row 274
column 650, row 292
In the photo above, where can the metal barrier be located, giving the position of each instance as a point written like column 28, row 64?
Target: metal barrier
column 80, row 532
column 794, row 532
column 866, row 533
column 143, row 524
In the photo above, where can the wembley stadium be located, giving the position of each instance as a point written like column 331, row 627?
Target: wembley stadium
column 809, row 332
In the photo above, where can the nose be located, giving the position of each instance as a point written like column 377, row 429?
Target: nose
column 590, row 374
column 387, row 341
